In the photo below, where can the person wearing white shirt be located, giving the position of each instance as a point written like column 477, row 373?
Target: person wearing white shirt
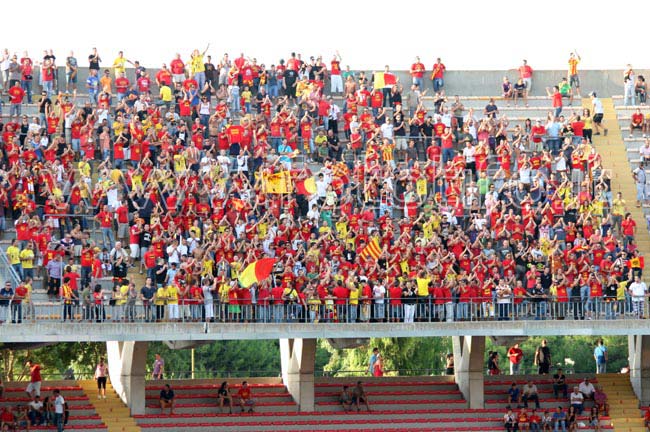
column 208, row 299
column 59, row 410
column 313, row 213
column 387, row 129
column 378, row 295
column 321, row 186
column 587, row 389
column 577, row 400
column 638, row 290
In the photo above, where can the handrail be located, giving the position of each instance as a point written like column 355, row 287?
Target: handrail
column 341, row 311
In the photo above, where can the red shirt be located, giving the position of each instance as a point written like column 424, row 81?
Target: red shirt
column 177, row 66
column 557, row 100
column 105, row 219
column 122, row 85
column 16, row 95
column 35, row 372
column 525, row 71
column 417, row 70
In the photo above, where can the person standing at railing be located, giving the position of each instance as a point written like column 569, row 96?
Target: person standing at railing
column 68, row 296
column 409, row 300
column 504, row 300
column 20, row 293
column 6, row 295
column 638, row 290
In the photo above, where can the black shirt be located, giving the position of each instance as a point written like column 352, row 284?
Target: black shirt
column 167, row 395
column 93, row 64
column 290, row 77
column 148, row 292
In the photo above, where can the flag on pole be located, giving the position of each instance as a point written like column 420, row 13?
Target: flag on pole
column 306, row 187
column 372, row 249
column 256, row 272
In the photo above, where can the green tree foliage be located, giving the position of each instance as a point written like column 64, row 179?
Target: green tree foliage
column 572, row 353
column 55, row 360
column 402, row 356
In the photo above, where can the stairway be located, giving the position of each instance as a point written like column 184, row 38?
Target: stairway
column 614, row 157
column 623, row 403
column 115, row 415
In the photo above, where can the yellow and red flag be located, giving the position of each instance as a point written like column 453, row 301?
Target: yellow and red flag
column 256, row 272
column 372, row 249
column 306, row 186
column 278, row 183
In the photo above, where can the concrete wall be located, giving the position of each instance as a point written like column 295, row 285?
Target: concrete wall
column 464, row 83
column 78, row 332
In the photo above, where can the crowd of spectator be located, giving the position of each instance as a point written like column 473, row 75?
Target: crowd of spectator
column 174, row 170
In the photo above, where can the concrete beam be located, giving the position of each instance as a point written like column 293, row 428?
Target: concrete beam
column 127, row 369
column 639, row 356
column 298, row 362
column 103, row 332
column 469, row 355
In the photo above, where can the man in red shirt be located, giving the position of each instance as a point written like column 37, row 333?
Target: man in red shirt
column 164, row 77
column 34, row 387
column 16, row 96
column 438, row 75
column 515, row 355
column 245, row 399
column 417, row 72
column 178, row 69
column 526, row 74
column 638, row 122
column 556, row 98
column 629, row 229
column 121, row 85
column 335, row 74
column 105, row 219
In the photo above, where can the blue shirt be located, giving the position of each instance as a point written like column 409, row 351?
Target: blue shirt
column 93, row 83
column 553, row 130
column 599, row 353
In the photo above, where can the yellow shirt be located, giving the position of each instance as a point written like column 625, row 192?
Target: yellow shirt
column 84, row 168
column 119, row 64
column 354, row 296
column 208, row 266
column 14, row 255
column 161, row 296
column 165, row 94
column 172, row 294
column 423, row 286
column 620, row 291
column 235, row 268
column 224, row 289
column 121, row 295
column 179, row 163
column 246, row 95
column 27, row 258
column 618, row 207
column 197, row 64
column 342, row 229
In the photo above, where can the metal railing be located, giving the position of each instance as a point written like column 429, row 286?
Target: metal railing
column 424, row 309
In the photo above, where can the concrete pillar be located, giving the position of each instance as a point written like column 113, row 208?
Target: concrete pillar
column 639, row 352
column 127, row 363
column 469, row 352
column 298, row 361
